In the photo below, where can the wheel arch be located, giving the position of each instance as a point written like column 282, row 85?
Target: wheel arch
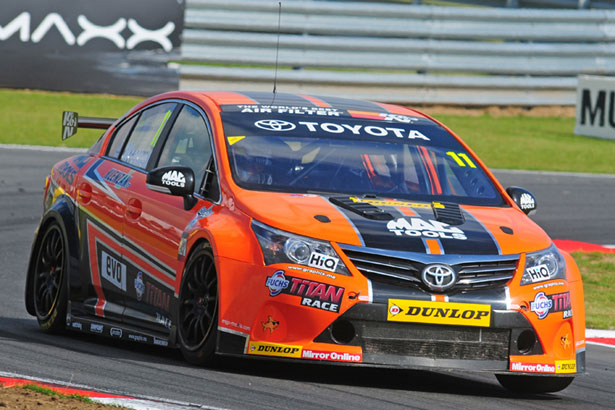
column 61, row 212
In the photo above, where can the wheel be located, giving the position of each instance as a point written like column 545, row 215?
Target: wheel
column 198, row 308
column 533, row 384
column 49, row 290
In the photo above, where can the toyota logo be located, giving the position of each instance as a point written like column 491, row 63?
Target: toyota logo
column 275, row 125
column 439, row 277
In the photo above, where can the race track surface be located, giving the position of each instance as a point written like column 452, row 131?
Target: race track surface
column 570, row 207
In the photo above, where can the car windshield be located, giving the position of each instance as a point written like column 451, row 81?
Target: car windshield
column 417, row 159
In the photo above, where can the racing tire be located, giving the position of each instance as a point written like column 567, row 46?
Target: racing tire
column 49, row 293
column 533, row 384
column 197, row 325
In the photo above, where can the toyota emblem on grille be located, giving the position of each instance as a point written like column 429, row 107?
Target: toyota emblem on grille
column 275, row 125
column 439, row 277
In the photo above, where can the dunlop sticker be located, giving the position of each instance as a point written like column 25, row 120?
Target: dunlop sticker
column 274, row 349
column 442, row 313
column 565, row 366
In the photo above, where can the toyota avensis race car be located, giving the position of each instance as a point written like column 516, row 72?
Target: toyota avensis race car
column 301, row 228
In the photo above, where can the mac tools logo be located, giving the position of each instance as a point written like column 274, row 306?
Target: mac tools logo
column 115, row 33
column 174, row 178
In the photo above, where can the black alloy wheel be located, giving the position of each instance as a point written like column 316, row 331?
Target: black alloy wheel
column 198, row 308
column 50, row 271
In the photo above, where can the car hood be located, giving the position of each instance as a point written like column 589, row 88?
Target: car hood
column 399, row 225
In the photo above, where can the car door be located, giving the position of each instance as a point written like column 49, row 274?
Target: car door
column 99, row 287
column 158, row 229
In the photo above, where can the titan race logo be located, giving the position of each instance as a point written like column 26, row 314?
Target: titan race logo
column 313, row 294
column 112, row 33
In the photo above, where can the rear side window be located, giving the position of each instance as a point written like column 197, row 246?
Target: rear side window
column 120, row 137
column 144, row 137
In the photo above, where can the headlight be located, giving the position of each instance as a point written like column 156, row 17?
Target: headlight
column 543, row 265
column 284, row 247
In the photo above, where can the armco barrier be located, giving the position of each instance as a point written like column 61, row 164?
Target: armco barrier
column 396, row 52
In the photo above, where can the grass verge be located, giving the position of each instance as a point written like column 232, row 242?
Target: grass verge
column 509, row 142
column 599, row 285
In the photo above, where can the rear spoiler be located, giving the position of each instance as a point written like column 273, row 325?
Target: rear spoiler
column 71, row 122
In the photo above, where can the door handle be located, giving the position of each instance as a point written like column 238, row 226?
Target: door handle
column 84, row 192
column 134, row 208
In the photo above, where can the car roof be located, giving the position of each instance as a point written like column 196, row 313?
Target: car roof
column 222, row 98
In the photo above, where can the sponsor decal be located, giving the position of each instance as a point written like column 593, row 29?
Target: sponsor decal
column 285, row 109
column 403, row 204
column 276, row 283
column 69, row 122
column 532, row 367
column 202, row 213
column 240, row 326
column 163, row 320
column 115, row 332
column 77, row 325
column 95, row 328
column 439, row 277
column 275, row 125
column 160, row 342
column 156, row 297
column 541, row 305
column 322, row 261
column 67, row 171
column 565, row 341
column 137, row 338
column 565, row 366
column 307, row 270
column 419, row 227
column 174, row 178
column 544, row 304
column 274, row 349
column 443, row 313
column 383, row 116
column 139, row 286
column 270, row 325
column 567, row 313
column 332, row 356
column 527, row 201
column 548, row 285
column 113, row 33
column 113, row 270
column 313, row 294
column 538, row 273
column 118, row 178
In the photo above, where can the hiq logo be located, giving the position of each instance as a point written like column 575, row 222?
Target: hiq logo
column 322, row 261
column 22, row 24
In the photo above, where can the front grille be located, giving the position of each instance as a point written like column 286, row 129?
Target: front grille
column 432, row 341
column 404, row 268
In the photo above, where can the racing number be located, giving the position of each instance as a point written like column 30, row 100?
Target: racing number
column 459, row 157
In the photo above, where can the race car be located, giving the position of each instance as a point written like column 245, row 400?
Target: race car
column 304, row 228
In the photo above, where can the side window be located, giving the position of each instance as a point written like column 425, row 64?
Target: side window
column 120, row 137
column 188, row 144
column 143, row 139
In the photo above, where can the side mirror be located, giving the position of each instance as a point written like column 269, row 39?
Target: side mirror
column 523, row 198
column 178, row 181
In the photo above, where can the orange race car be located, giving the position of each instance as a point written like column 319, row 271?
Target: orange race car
column 294, row 227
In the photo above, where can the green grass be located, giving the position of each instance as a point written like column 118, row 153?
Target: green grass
column 532, row 143
column 509, row 142
column 34, row 117
column 597, row 270
column 49, row 392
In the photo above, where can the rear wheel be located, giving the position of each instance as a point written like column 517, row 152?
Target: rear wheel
column 48, row 285
column 198, row 308
column 533, row 384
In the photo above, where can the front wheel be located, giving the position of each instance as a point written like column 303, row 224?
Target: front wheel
column 198, row 308
column 49, row 277
column 533, row 384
